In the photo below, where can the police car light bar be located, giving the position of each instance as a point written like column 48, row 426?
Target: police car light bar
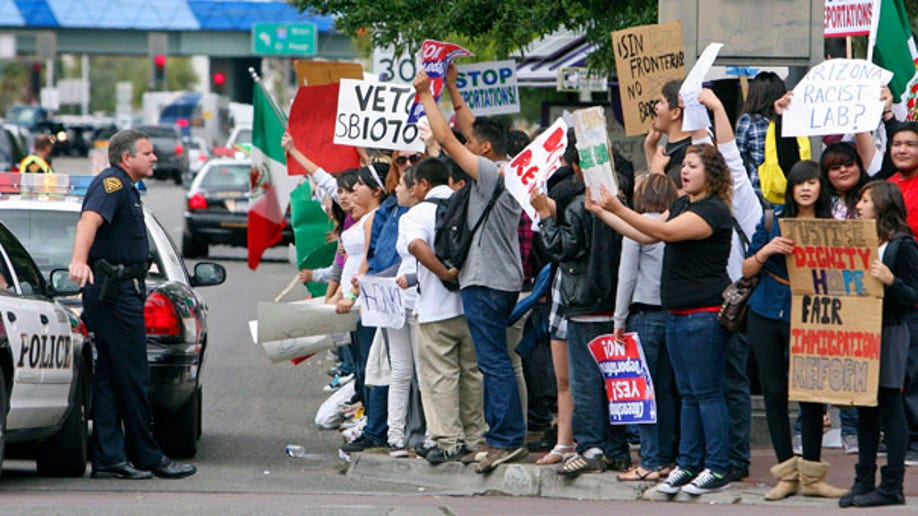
column 43, row 184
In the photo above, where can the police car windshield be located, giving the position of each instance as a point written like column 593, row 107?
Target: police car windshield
column 227, row 177
column 48, row 235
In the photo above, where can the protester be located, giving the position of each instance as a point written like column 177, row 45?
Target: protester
column 897, row 270
column 667, row 121
column 491, row 278
column 752, row 125
column 638, row 310
column 769, row 335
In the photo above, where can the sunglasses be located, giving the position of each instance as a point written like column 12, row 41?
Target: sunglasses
column 414, row 158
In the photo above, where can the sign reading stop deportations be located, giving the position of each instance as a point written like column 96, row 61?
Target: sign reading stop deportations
column 284, row 39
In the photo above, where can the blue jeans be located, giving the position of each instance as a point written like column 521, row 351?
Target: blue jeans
column 656, row 439
column 697, row 346
column 487, row 311
column 588, row 388
column 736, row 393
column 375, row 399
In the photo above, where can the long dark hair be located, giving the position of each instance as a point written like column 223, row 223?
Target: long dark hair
column 346, row 181
column 889, row 208
column 365, row 176
column 837, row 154
column 801, row 172
column 764, row 90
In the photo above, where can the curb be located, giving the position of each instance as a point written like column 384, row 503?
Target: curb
column 522, row 479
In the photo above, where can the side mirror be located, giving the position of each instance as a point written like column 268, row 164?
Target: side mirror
column 60, row 284
column 207, row 274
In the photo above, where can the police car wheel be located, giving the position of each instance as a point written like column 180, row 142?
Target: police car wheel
column 65, row 454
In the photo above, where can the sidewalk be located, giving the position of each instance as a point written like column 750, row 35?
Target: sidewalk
column 527, row 479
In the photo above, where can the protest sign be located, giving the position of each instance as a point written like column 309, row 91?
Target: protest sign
column 694, row 114
column 580, row 78
column 646, row 58
column 374, row 114
column 847, row 18
column 381, row 302
column 593, row 147
column 489, row 88
column 436, row 56
column 533, row 166
column 629, row 386
column 837, row 96
column 836, row 311
column 279, row 321
column 317, row 73
column 312, row 125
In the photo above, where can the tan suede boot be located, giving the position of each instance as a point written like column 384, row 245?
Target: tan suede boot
column 788, row 480
column 812, row 480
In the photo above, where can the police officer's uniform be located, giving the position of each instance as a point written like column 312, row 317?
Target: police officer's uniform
column 121, row 382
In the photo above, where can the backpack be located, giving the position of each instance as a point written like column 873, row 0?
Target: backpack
column 453, row 235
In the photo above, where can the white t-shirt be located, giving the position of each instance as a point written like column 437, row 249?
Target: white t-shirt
column 353, row 239
column 434, row 302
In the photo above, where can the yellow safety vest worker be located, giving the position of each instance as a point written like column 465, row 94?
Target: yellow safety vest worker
column 35, row 164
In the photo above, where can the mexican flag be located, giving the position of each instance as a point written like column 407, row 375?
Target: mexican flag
column 270, row 185
column 893, row 48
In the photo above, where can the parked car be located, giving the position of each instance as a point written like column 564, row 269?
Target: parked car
column 175, row 314
column 13, row 147
column 45, row 366
column 217, row 208
column 168, row 145
column 38, row 120
column 238, row 145
column 197, row 155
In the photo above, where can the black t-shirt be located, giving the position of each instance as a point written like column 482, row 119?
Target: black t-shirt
column 676, row 152
column 695, row 271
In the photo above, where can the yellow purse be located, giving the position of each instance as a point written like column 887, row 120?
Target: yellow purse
column 771, row 177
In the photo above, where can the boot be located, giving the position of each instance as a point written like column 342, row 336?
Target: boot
column 865, row 481
column 788, row 480
column 889, row 492
column 812, row 480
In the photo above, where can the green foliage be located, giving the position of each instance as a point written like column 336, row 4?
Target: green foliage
column 106, row 71
column 495, row 28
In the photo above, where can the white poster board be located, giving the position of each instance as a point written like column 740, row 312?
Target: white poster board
column 278, row 321
column 838, row 96
column 382, row 302
column 489, row 88
column 533, row 166
column 848, row 18
column 593, row 147
column 373, row 114
column 695, row 115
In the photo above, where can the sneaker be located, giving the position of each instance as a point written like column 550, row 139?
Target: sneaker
column 475, row 456
column 849, row 444
column 361, row 444
column 398, row 451
column 706, row 482
column 334, row 371
column 497, row 456
column 677, row 478
column 911, row 458
column 736, row 473
column 574, row 466
column 423, row 450
column 439, row 455
column 337, row 382
column 798, row 444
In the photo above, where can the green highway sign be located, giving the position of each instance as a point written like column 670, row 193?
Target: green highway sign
column 284, row 39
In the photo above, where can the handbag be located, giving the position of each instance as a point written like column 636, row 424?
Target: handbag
column 732, row 313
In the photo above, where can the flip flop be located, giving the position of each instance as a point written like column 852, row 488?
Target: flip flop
column 639, row 474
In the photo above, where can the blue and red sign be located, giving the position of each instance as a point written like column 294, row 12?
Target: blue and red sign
column 436, row 56
column 628, row 383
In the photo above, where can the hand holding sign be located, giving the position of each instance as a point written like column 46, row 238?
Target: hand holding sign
column 535, row 164
column 695, row 116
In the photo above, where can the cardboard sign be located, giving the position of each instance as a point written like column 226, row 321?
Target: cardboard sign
column 694, row 114
column 847, row 18
column 646, row 58
column 837, row 96
column 373, row 114
column 436, row 56
column 489, row 88
column 593, row 147
column 629, row 386
column 535, row 164
column 836, row 311
column 381, row 302
column 317, row 73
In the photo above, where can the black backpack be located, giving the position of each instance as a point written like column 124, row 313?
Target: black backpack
column 453, row 235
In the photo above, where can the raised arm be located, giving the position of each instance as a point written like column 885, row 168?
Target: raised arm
column 323, row 179
column 464, row 117
column 440, row 129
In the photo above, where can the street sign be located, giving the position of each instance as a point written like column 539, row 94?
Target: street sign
column 284, row 39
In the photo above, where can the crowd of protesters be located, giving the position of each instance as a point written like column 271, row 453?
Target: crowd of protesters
column 655, row 263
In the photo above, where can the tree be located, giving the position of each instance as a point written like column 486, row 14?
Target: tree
column 507, row 25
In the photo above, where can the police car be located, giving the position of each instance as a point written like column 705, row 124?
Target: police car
column 45, row 365
column 42, row 210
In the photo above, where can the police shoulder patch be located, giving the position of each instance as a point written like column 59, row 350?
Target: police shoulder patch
column 112, row 184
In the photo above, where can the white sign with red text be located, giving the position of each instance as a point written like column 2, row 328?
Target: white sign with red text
column 848, row 17
column 535, row 164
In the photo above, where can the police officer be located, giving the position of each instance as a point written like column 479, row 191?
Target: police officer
column 111, row 235
column 38, row 161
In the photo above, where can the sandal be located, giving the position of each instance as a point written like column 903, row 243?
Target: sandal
column 558, row 454
column 579, row 464
column 638, row 474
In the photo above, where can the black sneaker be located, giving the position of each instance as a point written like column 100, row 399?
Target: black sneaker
column 706, row 482
column 677, row 478
column 736, row 473
column 439, row 455
column 361, row 444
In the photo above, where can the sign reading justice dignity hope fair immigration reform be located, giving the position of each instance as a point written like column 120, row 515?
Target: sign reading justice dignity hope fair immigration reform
column 836, row 311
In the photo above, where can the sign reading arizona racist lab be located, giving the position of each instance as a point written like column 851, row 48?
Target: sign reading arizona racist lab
column 489, row 88
column 836, row 311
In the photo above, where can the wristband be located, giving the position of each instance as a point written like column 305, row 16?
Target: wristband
column 350, row 295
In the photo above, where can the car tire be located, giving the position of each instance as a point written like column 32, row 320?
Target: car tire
column 177, row 432
column 193, row 247
column 4, row 411
column 66, row 453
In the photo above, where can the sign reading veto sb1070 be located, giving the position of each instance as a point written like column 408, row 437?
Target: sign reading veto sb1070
column 374, row 114
column 489, row 88
column 836, row 311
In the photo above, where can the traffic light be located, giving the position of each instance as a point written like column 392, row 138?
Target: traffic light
column 159, row 69
column 219, row 81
